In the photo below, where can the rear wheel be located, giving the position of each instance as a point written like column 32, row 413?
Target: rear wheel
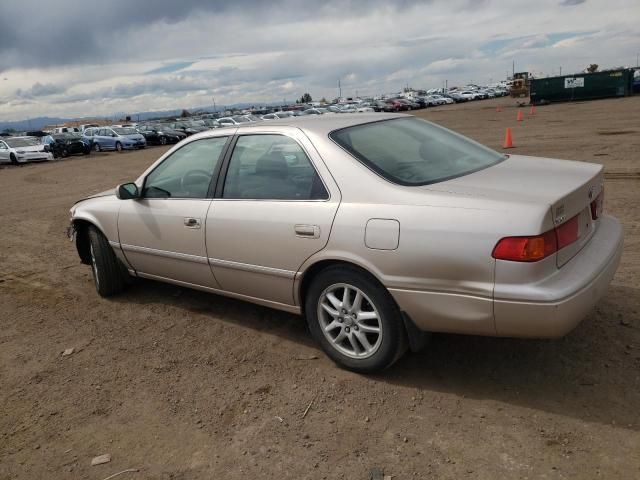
column 118, row 146
column 355, row 320
column 107, row 271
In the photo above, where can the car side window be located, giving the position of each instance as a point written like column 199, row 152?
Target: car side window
column 187, row 172
column 3, row 146
column 271, row 167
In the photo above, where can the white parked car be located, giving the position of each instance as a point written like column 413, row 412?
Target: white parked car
column 22, row 150
column 277, row 115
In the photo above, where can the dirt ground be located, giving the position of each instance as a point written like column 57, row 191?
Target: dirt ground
column 181, row 384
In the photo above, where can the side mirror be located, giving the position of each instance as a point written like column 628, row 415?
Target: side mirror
column 127, row 191
column 114, row 135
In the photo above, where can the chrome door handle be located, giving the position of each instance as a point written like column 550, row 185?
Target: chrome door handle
column 307, row 231
column 190, row 222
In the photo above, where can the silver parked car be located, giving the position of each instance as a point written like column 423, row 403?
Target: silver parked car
column 377, row 228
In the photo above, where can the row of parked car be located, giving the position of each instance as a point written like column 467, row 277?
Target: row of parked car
column 65, row 141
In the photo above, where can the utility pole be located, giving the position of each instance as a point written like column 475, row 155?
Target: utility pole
column 513, row 68
column 339, row 90
column 214, row 103
column 561, row 70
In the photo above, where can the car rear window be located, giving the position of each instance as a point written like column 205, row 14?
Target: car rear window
column 410, row 151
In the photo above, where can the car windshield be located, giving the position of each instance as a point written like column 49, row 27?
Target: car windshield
column 22, row 142
column 125, row 131
column 409, row 151
column 241, row 119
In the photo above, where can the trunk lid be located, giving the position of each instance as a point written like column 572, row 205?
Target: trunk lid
column 568, row 187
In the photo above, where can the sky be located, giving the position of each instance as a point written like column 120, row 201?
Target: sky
column 85, row 59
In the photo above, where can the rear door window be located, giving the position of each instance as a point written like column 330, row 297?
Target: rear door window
column 271, row 167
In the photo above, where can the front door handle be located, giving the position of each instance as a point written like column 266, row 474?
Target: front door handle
column 307, row 231
column 191, row 222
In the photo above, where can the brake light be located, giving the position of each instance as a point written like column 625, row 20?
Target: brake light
column 597, row 205
column 537, row 247
column 526, row 249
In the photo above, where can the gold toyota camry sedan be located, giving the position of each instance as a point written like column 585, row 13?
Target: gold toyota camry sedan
column 377, row 228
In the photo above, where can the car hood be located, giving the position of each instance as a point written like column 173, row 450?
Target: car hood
column 106, row 193
column 32, row 148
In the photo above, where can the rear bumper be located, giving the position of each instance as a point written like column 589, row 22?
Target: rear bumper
column 555, row 306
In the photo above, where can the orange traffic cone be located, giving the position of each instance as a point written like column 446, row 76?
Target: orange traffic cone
column 533, row 110
column 508, row 143
column 498, row 109
column 519, row 117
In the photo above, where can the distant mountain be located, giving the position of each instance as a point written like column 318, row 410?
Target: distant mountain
column 39, row 122
column 31, row 124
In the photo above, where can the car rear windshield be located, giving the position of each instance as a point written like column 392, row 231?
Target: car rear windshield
column 410, row 151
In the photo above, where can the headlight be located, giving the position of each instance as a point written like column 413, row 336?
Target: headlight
column 21, row 152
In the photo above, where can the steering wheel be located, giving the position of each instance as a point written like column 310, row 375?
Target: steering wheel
column 192, row 177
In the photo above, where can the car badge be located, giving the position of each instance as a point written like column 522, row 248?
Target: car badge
column 560, row 216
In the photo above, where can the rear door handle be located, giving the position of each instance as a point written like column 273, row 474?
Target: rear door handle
column 191, row 222
column 307, row 231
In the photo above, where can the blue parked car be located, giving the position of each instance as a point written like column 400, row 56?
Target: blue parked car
column 116, row 138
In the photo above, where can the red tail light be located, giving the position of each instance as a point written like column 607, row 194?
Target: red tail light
column 597, row 205
column 537, row 247
column 526, row 249
column 567, row 233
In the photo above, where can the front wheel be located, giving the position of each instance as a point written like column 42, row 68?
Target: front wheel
column 355, row 320
column 14, row 160
column 106, row 269
column 163, row 140
column 118, row 146
column 97, row 148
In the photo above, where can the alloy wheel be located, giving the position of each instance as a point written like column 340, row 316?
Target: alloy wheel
column 350, row 321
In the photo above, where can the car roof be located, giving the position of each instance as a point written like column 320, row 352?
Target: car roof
column 321, row 124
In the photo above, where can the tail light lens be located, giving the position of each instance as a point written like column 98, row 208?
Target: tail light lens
column 567, row 233
column 597, row 205
column 537, row 247
column 526, row 249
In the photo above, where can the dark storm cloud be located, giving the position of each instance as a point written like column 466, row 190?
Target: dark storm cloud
column 74, row 32
column 41, row 90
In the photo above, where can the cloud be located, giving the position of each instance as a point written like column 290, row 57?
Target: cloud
column 41, row 90
column 568, row 3
column 120, row 55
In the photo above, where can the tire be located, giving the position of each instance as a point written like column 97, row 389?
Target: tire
column 14, row 160
column 343, row 342
column 118, row 147
column 96, row 147
column 107, row 271
column 163, row 140
column 65, row 153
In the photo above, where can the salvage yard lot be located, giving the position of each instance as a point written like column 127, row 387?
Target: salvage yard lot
column 185, row 385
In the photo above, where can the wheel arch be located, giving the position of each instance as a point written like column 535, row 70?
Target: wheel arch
column 81, row 230
column 81, row 227
column 417, row 338
column 310, row 271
